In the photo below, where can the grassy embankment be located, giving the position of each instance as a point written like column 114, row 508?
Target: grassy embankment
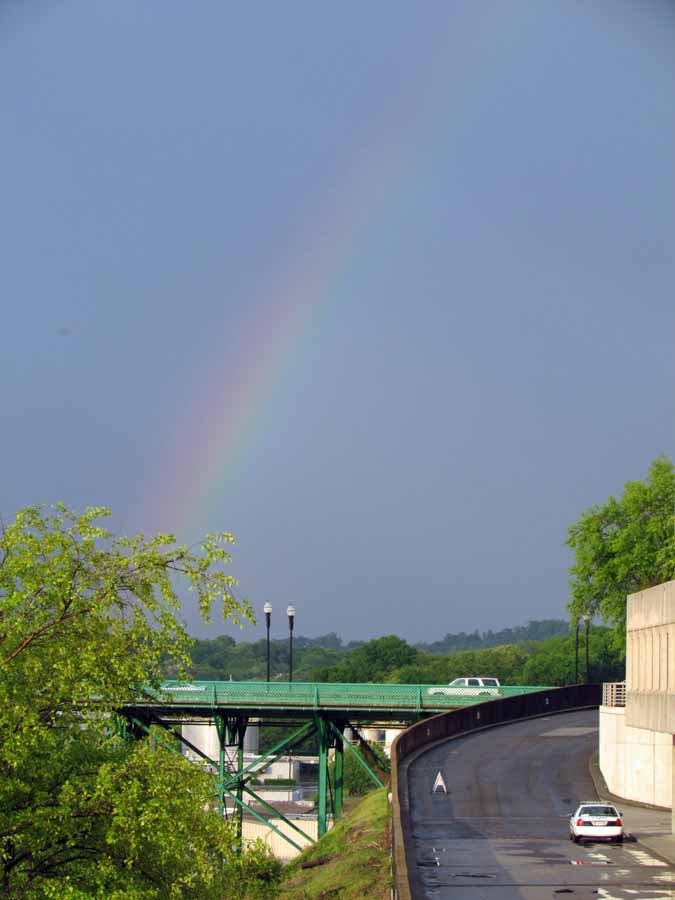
column 352, row 861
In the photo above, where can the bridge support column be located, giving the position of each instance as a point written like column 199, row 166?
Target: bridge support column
column 324, row 741
column 235, row 729
column 241, row 731
column 231, row 733
column 221, row 730
column 339, row 773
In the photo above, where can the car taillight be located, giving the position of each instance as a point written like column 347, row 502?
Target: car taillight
column 580, row 821
column 618, row 822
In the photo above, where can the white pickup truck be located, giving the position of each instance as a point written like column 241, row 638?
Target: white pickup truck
column 469, row 687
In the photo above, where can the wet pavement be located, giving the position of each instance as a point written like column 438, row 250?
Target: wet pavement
column 501, row 832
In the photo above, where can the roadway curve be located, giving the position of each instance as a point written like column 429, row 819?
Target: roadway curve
column 501, row 832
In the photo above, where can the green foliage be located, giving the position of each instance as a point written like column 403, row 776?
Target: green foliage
column 553, row 662
column 372, row 661
column 84, row 620
column 221, row 657
column 504, row 663
column 624, row 546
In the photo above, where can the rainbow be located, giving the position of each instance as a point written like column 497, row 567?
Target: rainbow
column 226, row 414
column 235, row 393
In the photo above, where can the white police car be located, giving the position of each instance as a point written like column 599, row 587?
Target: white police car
column 595, row 820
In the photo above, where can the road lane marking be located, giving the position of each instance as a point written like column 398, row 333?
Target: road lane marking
column 643, row 858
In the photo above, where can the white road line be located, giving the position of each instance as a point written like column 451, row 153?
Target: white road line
column 643, row 858
column 642, row 894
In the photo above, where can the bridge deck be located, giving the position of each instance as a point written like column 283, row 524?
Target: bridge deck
column 396, row 702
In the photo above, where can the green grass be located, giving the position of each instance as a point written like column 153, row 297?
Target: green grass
column 357, row 854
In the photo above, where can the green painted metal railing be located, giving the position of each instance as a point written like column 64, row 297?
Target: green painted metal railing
column 314, row 696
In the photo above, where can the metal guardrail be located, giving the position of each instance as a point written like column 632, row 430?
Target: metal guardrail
column 614, row 693
column 314, row 696
column 454, row 724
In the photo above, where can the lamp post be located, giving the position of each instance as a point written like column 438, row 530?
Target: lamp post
column 267, row 609
column 576, row 652
column 291, row 619
column 587, row 619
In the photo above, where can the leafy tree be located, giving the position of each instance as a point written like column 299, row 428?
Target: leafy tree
column 553, row 662
column 370, row 662
column 85, row 619
column 624, row 546
column 221, row 657
column 504, row 663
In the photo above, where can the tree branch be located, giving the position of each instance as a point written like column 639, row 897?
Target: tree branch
column 64, row 617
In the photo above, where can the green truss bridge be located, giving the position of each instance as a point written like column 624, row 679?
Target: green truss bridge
column 324, row 710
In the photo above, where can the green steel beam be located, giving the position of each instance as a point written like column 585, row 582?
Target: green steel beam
column 369, row 754
column 262, row 819
column 322, row 728
column 358, row 757
column 240, row 787
column 139, row 724
column 187, row 743
column 339, row 773
column 276, row 813
column 219, row 722
column 276, row 751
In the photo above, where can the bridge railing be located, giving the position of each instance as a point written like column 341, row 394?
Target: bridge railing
column 312, row 695
column 614, row 693
column 454, row 724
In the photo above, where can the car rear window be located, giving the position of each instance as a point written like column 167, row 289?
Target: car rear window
column 598, row 811
column 492, row 682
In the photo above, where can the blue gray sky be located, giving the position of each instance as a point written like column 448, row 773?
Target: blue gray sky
column 384, row 288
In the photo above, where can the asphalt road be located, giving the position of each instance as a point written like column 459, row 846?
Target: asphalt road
column 501, row 832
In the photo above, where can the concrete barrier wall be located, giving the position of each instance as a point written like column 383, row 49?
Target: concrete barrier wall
column 454, row 724
column 636, row 763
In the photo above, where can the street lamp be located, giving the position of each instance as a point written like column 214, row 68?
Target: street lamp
column 587, row 619
column 576, row 652
column 290, row 612
column 267, row 609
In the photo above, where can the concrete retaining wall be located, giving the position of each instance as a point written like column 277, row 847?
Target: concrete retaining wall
column 636, row 763
column 650, row 659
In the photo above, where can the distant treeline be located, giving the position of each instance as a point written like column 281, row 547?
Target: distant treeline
column 543, row 652
column 535, row 630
